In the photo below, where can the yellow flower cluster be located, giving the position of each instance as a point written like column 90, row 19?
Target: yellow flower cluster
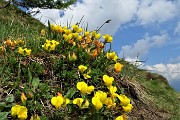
column 8, row 42
column 125, row 103
column 24, row 51
column 50, row 45
column 59, row 101
column 82, row 69
column 84, row 88
column 112, row 56
column 19, row 111
column 11, row 44
column 76, row 29
column 56, row 28
column 88, row 40
column 118, row 67
column 23, row 98
column 72, row 57
column 19, row 42
column 108, row 80
column 80, row 101
column 107, row 38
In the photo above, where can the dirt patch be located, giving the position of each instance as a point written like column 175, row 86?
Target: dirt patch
column 143, row 106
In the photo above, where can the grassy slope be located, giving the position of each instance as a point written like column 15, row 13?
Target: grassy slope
column 153, row 89
column 158, row 97
column 15, row 22
column 163, row 95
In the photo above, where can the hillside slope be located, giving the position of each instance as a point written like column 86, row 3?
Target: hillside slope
column 14, row 21
column 151, row 95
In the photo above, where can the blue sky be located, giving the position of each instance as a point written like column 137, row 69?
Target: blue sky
column 150, row 28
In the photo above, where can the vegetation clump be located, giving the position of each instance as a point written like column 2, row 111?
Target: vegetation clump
column 61, row 73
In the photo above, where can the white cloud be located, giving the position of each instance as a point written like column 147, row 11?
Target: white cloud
column 119, row 11
column 177, row 29
column 96, row 13
column 156, row 11
column 143, row 46
column 170, row 71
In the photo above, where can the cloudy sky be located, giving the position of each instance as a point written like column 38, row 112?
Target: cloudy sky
column 149, row 29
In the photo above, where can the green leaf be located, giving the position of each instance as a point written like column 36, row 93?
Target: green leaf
column 29, row 75
column 70, row 93
column 49, row 27
column 43, row 117
column 83, row 96
column 2, row 106
column 3, row 115
column 10, row 98
column 35, row 82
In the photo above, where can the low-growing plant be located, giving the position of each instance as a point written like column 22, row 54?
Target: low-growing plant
column 61, row 74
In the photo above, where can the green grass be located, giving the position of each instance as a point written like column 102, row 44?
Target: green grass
column 163, row 95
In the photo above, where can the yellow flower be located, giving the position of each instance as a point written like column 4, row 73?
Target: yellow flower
column 113, row 90
column 76, row 29
column 115, row 58
column 108, row 80
column 86, row 76
column 36, row 117
column 75, row 35
column 82, row 68
column 84, row 88
column 120, row 118
column 19, row 111
column 127, row 108
column 110, row 103
column 93, row 33
column 94, row 53
column 24, row 51
column 78, row 101
column 53, row 27
column 52, row 47
column 70, row 36
column 96, row 35
column 73, row 57
column 57, row 101
column 118, row 67
column 112, row 56
column 23, row 97
column 28, row 51
column 107, row 38
column 97, row 103
column 67, row 31
column 86, row 104
column 86, row 33
column 20, row 50
column 124, row 100
column 54, row 42
column 65, row 37
column 102, row 96
column 46, row 46
column 2, row 49
column 43, row 32
column 79, row 38
column 59, row 29
column 8, row 42
column 16, row 42
column 67, row 101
